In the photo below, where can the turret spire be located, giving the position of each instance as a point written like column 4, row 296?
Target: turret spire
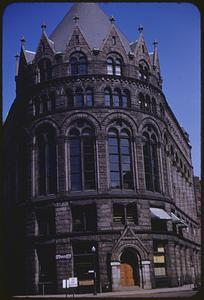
column 140, row 28
column 155, row 54
column 23, row 42
column 43, row 26
column 17, row 62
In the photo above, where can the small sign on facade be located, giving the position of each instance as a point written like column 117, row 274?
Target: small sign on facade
column 73, row 282
column 63, row 256
column 65, row 283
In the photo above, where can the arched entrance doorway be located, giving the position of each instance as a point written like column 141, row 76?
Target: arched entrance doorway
column 129, row 268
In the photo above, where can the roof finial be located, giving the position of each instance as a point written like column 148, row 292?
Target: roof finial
column 155, row 43
column 112, row 19
column 76, row 18
column 43, row 26
column 17, row 62
column 140, row 28
column 23, row 42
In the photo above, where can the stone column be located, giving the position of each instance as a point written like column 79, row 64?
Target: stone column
column 64, row 260
column 115, row 265
column 31, row 270
column 102, row 160
column 146, row 274
column 61, row 184
column 171, row 265
column 183, row 263
column 188, row 265
column 178, row 263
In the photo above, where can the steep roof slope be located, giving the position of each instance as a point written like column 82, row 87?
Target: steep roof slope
column 93, row 22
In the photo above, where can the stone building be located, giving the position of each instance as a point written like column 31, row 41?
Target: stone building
column 98, row 172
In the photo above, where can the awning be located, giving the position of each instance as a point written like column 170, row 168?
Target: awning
column 160, row 213
column 175, row 219
column 180, row 222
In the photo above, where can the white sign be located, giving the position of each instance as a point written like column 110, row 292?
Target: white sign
column 115, row 263
column 73, row 281
column 65, row 283
column 63, row 256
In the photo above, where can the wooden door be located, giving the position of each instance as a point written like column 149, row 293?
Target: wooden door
column 126, row 275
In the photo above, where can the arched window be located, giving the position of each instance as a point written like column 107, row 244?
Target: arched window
column 141, row 101
column 118, row 67
column 89, row 98
column 147, row 103
column 79, row 98
column 161, row 110
column 107, row 97
column 154, row 108
column 70, row 98
column 78, row 64
column 116, row 98
column 114, row 64
column 82, row 156
column 126, row 99
column 52, row 101
column 46, row 158
column 110, row 66
column 143, row 70
column 45, row 69
column 151, row 159
column 120, row 160
column 74, row 66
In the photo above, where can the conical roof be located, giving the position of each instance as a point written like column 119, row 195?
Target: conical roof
column 93, row 22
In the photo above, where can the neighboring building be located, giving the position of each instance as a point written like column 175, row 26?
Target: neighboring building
column 96, row 160
column 197, row 187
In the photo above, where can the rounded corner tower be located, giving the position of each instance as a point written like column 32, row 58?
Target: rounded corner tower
column 105, row 180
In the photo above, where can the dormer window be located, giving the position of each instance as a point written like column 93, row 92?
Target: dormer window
column 114, row 40
column 45, row 70
column 143, row 71
column 114, row 65
column 78, row 64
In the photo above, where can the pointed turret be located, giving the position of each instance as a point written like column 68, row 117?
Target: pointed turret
column 93, row 23
column 155, row 56
column 140, row 49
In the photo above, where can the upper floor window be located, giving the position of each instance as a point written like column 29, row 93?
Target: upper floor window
column 46, row 221
column 82, row 156
column 151, row 159
column 84, row 218
column 120, row 158
column 46, row 158
column 125, row 214
column 161, row 110
column 154, row 108
column 45, row 70
column 143, row 71
column 116, row 99
column 78, row 64
column 114, row 65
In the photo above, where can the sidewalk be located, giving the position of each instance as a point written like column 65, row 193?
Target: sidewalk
column 137, row 292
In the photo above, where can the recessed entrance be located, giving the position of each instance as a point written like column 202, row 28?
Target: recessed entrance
column 129, row 268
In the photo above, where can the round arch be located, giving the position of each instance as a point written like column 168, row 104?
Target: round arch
column 150, row 121
column 77, row 116
column 108, row 120
column 44, row 122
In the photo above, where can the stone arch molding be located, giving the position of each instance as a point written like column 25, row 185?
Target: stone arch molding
column 40, row 123
column 129, row 240
column 77, row 116
column 108, row 120
column 150, row 121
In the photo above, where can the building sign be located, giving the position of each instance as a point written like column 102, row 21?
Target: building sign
column 63, row 256
column 65, row 283
column 73, row 282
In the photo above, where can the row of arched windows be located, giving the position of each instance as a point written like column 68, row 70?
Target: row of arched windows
column 82, row 158
column 147, row 104
column 117, row 99
column 78, row 65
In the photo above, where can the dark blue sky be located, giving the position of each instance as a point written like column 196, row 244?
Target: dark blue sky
column 175, row 26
